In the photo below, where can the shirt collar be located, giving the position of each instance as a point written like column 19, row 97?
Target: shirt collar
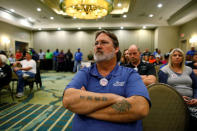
column 94, row 71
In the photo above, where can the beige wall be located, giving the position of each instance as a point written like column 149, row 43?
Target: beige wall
column 166, row 38
column 85, row 40
column 189, row 30
column 163, row 38
column 13, row 33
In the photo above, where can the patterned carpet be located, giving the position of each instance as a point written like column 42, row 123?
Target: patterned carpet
column 41, row 110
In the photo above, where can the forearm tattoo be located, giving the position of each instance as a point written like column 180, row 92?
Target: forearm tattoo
column 91, row 98
column 122, row 106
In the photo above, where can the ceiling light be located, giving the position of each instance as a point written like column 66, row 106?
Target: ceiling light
column 151, row 15
column 121, row 27
column 119, row 4
column 86, row 9
column 39, row 9
column 79, row 28
column 100, row 28
column 193, row 39
column 160, row 5
column 39, row 28
column 58, row 28
column 124, row 16
column 51, row 18
column 144, row 27
column 12, row 10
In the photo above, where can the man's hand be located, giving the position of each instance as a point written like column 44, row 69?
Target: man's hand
column 83, row 88
column 190, row 101
column 195, row 64
column 17, row 68
column 126, row 110
column 195, row 71
column 148, row 79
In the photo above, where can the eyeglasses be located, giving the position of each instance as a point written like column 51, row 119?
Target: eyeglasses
column 103, row 43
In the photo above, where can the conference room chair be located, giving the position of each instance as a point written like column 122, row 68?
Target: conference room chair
column 168, row 111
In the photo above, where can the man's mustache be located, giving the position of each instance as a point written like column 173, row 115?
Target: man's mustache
column 99, row 51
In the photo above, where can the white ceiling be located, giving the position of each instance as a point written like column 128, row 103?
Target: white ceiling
column 173, row 12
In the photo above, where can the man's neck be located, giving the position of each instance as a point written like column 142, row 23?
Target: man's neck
column 105, row 67
column 28, row 59
column 135, row 63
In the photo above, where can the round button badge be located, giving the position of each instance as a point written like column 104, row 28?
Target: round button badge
column 103, row 82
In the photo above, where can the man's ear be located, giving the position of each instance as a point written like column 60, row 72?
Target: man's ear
column 117, row 49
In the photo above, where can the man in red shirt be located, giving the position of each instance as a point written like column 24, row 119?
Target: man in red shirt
column 18, row 55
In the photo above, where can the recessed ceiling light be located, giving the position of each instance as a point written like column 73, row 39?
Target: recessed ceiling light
column 51, row 18
column 39, row 9
column 151, row 15
column 144, row 27
column 124, row 16
column 121, row 27
column 12, row 10
column 58, row 28
column 119, row 4
column 39, row 28
column 160, row 5
column 79, row 28
column 100, row 28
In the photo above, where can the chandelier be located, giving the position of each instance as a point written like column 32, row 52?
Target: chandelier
column 86, row 9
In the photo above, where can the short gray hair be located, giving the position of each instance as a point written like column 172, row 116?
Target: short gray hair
column 3, row 59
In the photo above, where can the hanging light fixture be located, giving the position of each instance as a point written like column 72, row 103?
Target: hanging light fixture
column 86, row 9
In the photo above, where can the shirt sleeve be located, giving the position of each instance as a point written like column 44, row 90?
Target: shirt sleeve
column 136, row 87
column 194, row 84
column 79, row 80
column 163, row 77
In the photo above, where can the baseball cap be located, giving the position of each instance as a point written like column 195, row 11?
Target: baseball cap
column 29, row 52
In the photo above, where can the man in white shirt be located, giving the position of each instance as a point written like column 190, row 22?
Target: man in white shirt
column 28, row 69
column 41, row 58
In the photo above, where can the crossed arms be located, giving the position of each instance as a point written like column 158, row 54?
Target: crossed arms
column 105, row 106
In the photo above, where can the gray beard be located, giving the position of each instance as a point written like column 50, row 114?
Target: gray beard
column 103, row 57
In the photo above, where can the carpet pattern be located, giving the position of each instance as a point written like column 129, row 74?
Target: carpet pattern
column 41, row 110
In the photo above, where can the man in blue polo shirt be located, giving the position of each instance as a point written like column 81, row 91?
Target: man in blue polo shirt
column 190, row 54
column 78, row 59
column 107, row 96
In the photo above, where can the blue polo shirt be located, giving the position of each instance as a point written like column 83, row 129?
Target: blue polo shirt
column 55, row 54
column 191, row 52
column 122, row 81
column 78, row 56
